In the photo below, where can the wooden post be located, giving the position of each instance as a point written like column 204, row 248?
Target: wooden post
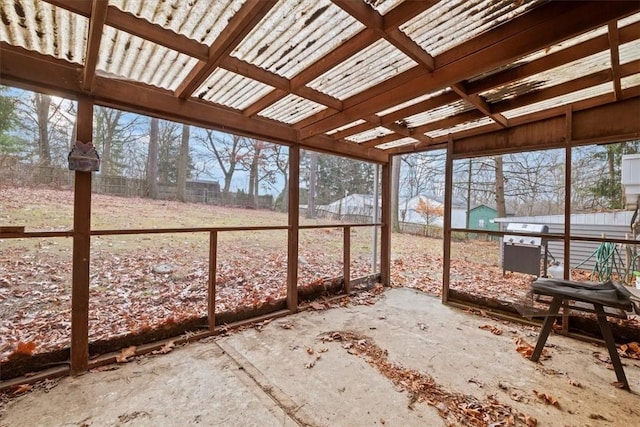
column 81, row 248
column 446, row 248
column 213, row 262
column 567, row 213
column 294, row 222
column 346, row 259
column 385, row 231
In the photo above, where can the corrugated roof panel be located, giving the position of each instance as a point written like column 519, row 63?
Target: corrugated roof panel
column 133, row 58
column 483, row 121
column 383, row 6
column 631, row 19
column 560, row 100
column 555, row 76
column 46, row 29
column 200, row 20
column 295, row 34
column 347, row 126
column 231, row 89
column 397, row 143
column 438, row 113
column 562, row 45
column 370, row 134
column 629, row 52
column 630, row 81
column 370, row 66
column 413, row 101
column 291, row 109
column 450, row 23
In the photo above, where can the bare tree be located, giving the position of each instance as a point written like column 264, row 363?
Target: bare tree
column 229, row 151
column 42, row 104
column 501, row 206
column 107, row 121
column 152, row 171
column 313, row 180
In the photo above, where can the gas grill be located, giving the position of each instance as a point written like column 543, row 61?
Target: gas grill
column 522, row 253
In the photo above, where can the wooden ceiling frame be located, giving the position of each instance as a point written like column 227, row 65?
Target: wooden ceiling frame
column 456, row 68
column 241, row 24
column 614, row 45
column 497, row 47
column 96, row 26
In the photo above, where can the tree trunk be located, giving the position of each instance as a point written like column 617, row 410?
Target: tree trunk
column 152, row 172
column 183, row 164
column 501, row 206
column 395, row 194
column 313, row 175
column 42, row 104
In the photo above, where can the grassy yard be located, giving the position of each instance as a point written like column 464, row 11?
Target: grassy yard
column 143, row 281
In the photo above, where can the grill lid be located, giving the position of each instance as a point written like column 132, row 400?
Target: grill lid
column 516, row 227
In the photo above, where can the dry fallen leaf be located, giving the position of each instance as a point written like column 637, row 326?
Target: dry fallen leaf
column 630, row 350
column 125, row 353
column 168, row 347
column 317, row 306
column 492, row 329
column 547, row 398
column 575, row 383
column 22, row 388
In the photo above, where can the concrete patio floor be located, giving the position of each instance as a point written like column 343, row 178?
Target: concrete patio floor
column 284, row 374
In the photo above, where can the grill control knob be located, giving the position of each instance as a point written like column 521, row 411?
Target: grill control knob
column 532, row 242
column 521, row 240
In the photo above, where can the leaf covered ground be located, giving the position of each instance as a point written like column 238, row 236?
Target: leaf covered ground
column 145, row 281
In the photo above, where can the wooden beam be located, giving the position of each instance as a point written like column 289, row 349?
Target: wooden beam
column 404, row 12
column 480, row 104
column 264, row 102
column 374, row 21
column 96, row 26
column 238, row 27
column 614, row 50
column 446, row 241
column 27, row 68
column 213, row 266
column 565, row 88
column 238, row 66
column 81, row 248
column 346, row 259
column 471, row 136
column 294, row 223
column 385, row 229
column 581, row 50
column 131, row 24
column 531, row 32
column 606, row 123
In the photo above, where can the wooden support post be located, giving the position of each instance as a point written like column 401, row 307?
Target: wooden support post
column 567, row 212
column 448, row 194
column 294, row 222
column 346, row 259
column 81, row 248
column 213, row 263
column 385, row 231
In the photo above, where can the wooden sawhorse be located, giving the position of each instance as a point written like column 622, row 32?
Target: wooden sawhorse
column 588, row 298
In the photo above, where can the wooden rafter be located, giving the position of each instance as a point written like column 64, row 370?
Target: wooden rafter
column 543, row 26
column 614, row 44
column 131, row 24
column 22, row 67
column 368, row 36
column 239, row 26
column 96, row 26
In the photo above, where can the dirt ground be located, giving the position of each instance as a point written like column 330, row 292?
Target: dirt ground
column 406, row 360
